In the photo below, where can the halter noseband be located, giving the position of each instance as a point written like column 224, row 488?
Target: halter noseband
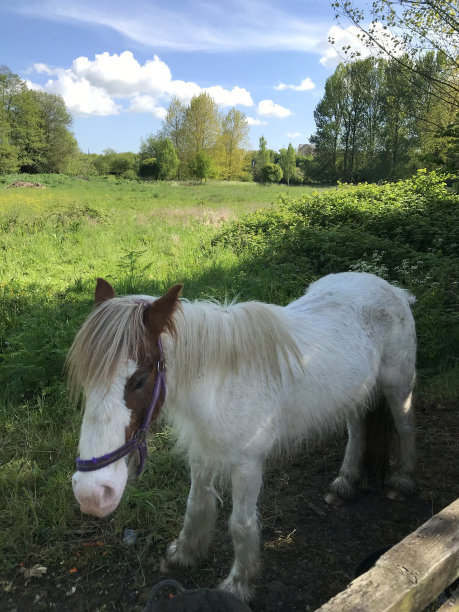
column 138, row 440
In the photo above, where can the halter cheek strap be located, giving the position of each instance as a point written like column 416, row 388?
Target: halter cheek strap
column 138, row 440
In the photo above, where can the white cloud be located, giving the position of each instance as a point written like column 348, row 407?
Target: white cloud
column 294, row 135
column 80, row 97
column 233, row 97
column 353, row 37
column 147, row 104
column 267, row 108
column 31, row 85
column 96, row 87
column 253, row 121
column 305, row 85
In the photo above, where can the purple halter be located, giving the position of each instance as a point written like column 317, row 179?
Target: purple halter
column 138, row 440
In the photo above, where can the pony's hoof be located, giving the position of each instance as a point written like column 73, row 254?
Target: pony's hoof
column 400, row 488
column 333, row 499
column 395, row 495
column 176, row 556
column 239, row 589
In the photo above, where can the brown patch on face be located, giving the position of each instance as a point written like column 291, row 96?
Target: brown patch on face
column 138, row 390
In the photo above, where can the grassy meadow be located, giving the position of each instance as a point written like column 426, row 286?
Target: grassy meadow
column 221, row 240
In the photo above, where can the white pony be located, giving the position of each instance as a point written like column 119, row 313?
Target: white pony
column 243, row 381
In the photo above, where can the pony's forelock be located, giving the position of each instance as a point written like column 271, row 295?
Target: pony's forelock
column 114, row 331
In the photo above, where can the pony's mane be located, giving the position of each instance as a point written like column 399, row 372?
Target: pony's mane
column 232, row 337
column 113, row 331
column 209, row 336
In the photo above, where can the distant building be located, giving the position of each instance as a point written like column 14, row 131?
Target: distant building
column 306, row 149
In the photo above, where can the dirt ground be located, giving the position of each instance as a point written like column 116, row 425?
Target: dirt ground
column 310, row 550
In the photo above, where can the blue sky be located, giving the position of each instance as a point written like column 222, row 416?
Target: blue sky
column 117, row 64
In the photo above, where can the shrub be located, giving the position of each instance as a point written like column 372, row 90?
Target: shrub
column 407, row 232
column 271, row 173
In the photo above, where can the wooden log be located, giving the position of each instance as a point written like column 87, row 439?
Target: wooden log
column 411, row 574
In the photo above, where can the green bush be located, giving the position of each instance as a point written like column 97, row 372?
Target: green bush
column 271, row 173
column 407, row 232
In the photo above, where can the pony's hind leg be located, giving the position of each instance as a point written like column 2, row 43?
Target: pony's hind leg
column 199, row 521
column 401, row 483
column 246, row 481
column 344, row 487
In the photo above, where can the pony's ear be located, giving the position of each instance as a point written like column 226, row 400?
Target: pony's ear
column 104, row 291
column 159, row 317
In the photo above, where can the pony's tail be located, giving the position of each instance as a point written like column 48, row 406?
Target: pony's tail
column 380, row 439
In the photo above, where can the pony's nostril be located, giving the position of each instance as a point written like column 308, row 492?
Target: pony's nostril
column 108, row 495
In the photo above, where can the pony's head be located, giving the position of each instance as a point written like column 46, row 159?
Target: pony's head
column 114, row 362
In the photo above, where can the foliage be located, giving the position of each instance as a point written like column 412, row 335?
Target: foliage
column 158, row 158
column 200, row 126
column 262, row 158
column 148, row 168
column 403, row 29
column 232, row 144
column 271, row 173
column 287, row 161
column 408, row 232
column 377, row 122
column 202, row 166
column 34, row 128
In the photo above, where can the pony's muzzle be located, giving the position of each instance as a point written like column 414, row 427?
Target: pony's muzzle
column 100, row 494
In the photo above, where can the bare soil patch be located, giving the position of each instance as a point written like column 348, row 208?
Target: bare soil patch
column 310, row 550
column 25, row 184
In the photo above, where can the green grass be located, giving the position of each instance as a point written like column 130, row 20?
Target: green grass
column 144, row 237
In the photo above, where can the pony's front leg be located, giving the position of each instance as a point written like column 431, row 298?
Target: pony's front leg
column 199, row 521
column 243, row 525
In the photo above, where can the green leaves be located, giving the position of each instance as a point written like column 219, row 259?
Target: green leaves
column 407, row 232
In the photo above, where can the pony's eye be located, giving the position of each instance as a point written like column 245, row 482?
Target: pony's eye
column 140, row 382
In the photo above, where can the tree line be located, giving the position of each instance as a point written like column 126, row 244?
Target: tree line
column 34, row 129
column 381, row 120
column 376, row 121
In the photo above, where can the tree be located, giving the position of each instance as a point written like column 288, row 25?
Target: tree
column 231, row 144
column 398, row 127
column 34, row 127
column 406, row 28
column 26, row 130
column 287, row 161
column 148, row 168
column 328, row 116
column 173, row 124
column 271, row 173
column 8, row 152
column 163, row 152
column 202, row 125
column 262, row 158
column 123, row 164
column 202, row 166
column 59, row 144
column 167, row 160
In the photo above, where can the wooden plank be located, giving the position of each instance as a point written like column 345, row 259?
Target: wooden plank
column 411, row 574
column 452, row 605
